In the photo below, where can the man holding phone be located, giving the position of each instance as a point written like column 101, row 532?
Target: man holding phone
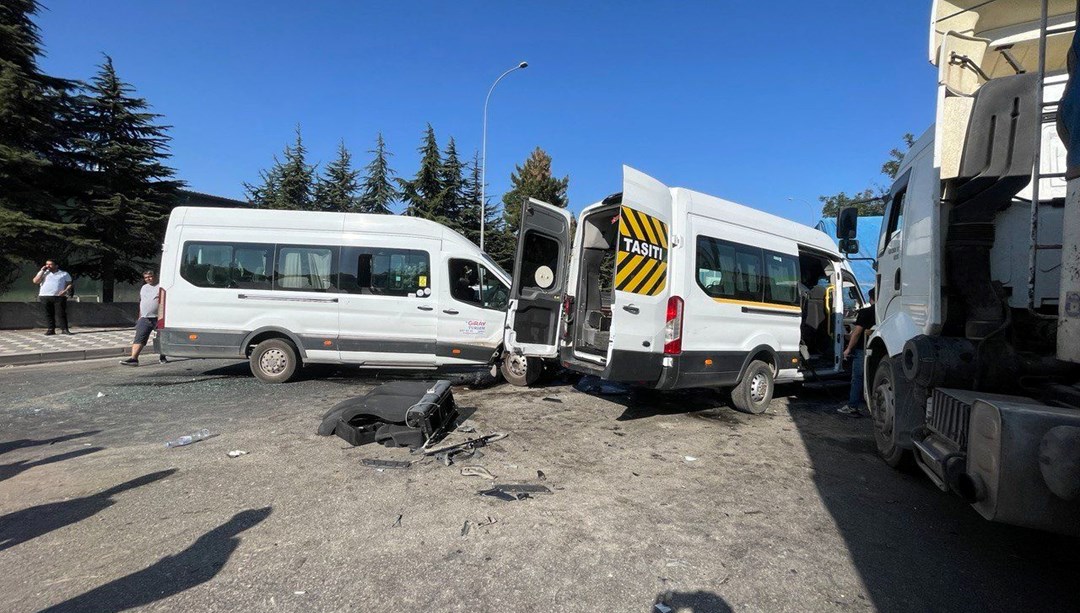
column 55, row 285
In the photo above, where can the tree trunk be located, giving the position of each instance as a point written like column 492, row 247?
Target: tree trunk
column 108, row 280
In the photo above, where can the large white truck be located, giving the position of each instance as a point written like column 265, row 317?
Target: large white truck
column 972, row 370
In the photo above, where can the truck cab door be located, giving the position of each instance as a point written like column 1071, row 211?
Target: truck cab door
column 642, row 261
column 540, row 279
column 891, row 247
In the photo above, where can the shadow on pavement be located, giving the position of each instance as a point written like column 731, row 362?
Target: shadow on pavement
column 693, row 602
column 8, row 471
column 21, row 526
column 170, row 575
column 917, row 548
column 27, row 442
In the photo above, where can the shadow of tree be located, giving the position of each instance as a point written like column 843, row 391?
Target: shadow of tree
column 8, row 471
column 21, row 526
column 692, row 602
column 170, row 575
column 26, row 442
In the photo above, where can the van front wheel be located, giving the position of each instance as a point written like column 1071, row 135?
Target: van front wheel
column 755, row 390
column 274, row 361
column 519, row 370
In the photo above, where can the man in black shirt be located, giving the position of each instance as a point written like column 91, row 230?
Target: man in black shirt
column 854, row 350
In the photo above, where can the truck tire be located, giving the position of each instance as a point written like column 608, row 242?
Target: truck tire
column 755, row 390
column 275, row 361
column 883, row 403
column 519, row 370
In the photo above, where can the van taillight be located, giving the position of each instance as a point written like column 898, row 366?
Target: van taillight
column 673, row 326
column 161, row 308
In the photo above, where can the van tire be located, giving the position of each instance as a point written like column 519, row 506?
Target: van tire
column 275, row 361
column 519, row 370
column 755, row 390
column 884, row 404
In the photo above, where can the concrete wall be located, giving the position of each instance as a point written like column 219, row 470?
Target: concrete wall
column 21, row 315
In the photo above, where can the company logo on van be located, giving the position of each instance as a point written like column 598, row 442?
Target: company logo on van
column 641, row 261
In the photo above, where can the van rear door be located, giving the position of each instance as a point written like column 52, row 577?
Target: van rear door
column 642, row 287
column 540, row 278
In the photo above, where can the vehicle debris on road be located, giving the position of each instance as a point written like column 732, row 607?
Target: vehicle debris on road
column 236, row 453
column 476, row 471
column 396, row 464
column 515, row 491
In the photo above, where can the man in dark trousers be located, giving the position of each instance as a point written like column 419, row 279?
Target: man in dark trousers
column 855, row 350
column 55, row 285
column 148, row 316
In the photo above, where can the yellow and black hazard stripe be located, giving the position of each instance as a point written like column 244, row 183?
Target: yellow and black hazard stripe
column 641, row 261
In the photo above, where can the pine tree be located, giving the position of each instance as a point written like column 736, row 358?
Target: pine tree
column 377, row 192
column 131, row 190
column 421, row 194
column 336, row 189
column 267, row 194
column 451, row 202
column 470, row 215
column 530, row 180
column 37, row 171
column 297, row 178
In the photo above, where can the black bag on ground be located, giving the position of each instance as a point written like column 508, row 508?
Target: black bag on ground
column 396, row 414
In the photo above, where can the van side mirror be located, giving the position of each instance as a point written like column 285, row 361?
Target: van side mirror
column 849, row 246
column 847, row 223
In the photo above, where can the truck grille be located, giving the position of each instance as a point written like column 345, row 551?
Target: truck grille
column 949, row 417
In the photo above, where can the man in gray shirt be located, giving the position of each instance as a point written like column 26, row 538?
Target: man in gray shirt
column 55, row 285
column 148, row 316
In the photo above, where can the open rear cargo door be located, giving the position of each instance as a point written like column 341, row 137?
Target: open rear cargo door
column 639, row 311
column 540, row 276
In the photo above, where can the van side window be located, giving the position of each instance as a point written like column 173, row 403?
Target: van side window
column 306, row 269
column 781, row 278
column 729, row 270
column 473, row 284
column 384, row 272
column 231, row 265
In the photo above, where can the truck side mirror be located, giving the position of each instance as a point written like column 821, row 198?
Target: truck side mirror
column 847, row 223
column 849, row 246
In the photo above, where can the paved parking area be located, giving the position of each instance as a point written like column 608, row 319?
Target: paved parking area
column 674, row 498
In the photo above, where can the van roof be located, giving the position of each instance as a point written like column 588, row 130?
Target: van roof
column 316, row 221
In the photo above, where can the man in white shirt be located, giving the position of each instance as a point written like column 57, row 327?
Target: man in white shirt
column 148, row 316
column 55, row 285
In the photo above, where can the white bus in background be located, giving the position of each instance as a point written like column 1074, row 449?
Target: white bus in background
column 285, row 288
column 668, row 288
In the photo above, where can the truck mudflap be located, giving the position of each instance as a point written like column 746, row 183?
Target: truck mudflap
column 1023, row 464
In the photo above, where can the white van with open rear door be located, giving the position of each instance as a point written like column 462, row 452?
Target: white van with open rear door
column 667, row 288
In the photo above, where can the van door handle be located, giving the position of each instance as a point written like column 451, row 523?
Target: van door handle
column 629, row 308
column 424, row 307
column 450, row 311
column 896, row 280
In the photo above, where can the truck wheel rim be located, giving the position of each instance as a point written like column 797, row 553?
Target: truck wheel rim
column 759, row 386
column 273, row 361
column 884, row 408
column 517, row 365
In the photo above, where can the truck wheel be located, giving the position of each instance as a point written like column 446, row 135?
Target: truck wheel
column 520, row 371
column 883, row 408
column 274, row 361
column 755, row 390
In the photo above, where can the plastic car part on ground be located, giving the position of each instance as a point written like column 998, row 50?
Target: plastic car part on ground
column 396, row 414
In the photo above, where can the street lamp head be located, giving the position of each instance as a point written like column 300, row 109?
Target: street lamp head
column 523, row 65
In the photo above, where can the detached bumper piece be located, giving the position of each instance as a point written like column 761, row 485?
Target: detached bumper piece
column 397, row 414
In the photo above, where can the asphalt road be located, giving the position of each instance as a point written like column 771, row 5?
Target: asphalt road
column 674, row 498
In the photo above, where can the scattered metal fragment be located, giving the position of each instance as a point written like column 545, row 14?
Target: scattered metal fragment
column 466, row 429
column 236, row 453
column 515, row 491
column 552, row 399
column 476, row 471
column 399, row 464
column 465, row 528
column 472, row 443
column 397, row 522
column 541, row 476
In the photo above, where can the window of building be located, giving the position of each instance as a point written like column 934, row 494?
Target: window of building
column 228, row 265
column 473, row 284
column 781, row 278
column 385, row 272
column 305, row 269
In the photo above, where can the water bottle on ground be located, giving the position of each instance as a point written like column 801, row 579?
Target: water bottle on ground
column 189, row 439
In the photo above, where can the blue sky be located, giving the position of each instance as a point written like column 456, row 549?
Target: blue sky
column 757, row 102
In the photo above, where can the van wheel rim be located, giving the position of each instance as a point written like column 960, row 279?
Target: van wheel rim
column 273, row 361
column 759, row 387
column 517, row 365
column 884, row 408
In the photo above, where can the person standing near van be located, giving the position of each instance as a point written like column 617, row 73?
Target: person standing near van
column 55, row 285
column 855, row 350
column 148, row 316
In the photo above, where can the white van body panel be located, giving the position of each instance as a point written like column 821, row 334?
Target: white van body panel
column 216, row 317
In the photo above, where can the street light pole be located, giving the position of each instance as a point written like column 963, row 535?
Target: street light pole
column 483, row 154
column 813, row 214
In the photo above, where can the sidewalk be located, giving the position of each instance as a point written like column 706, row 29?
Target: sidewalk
column 33, row 347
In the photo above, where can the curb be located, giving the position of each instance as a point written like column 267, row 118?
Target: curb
column 43, row 357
